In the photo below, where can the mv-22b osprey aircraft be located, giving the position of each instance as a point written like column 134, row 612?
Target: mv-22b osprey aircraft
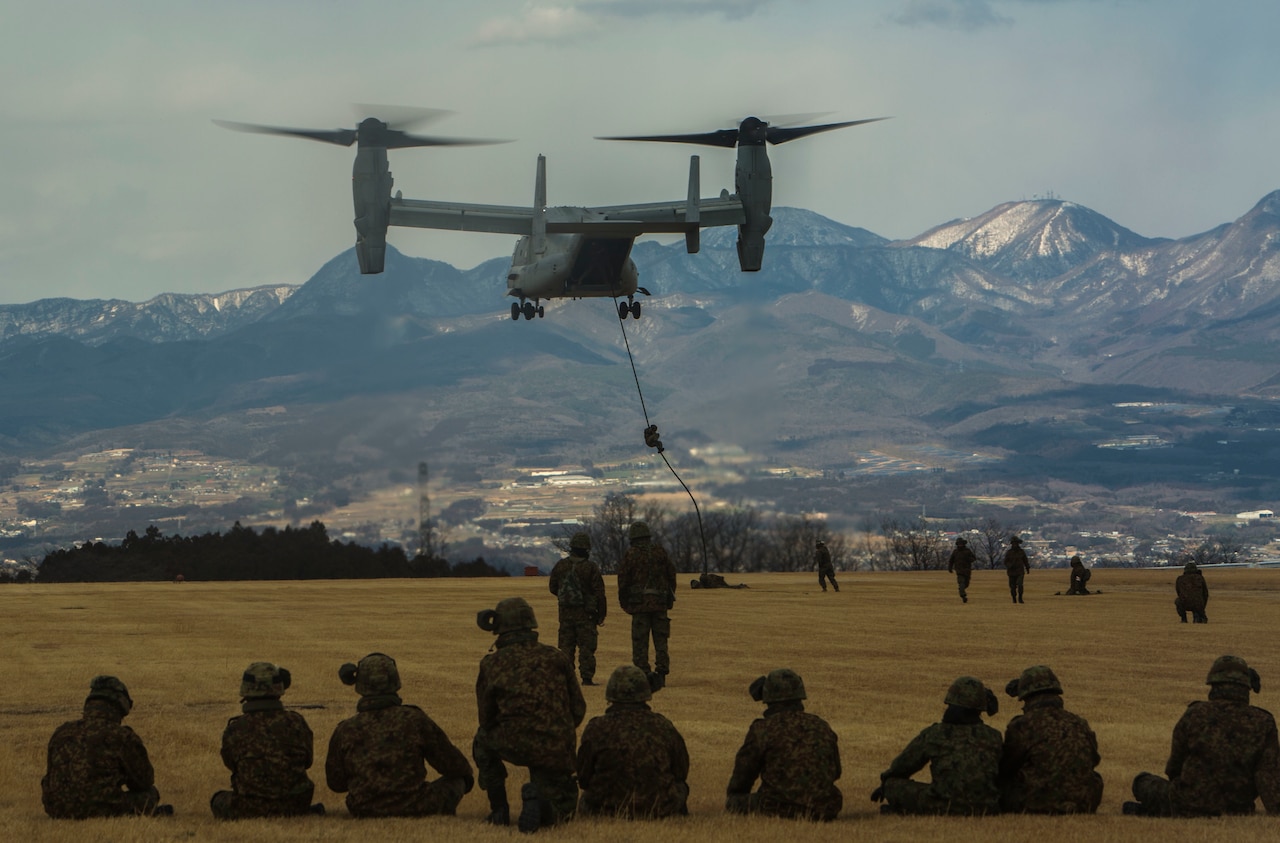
column 563, row 252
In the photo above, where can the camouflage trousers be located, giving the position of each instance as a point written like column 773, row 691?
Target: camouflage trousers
column 678, row 807
column 558, row 788
column 825, row 574
column 657, row 625
column 1197, row 615
column 823, row 810
column 962, row 583
column 904, row 796
column 1083, row 798
column 229, row 805
column 1016, row 579
column 582, row 636
column 1153, row 795
column 128, row 803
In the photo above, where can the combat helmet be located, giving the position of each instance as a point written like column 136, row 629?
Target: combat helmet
column 782, row 685
column 262, row 680
column 961, row 543
column 1190, row 568
column 639, row 530
column 628, row 684
column 1233, row 670
column 511, row 615
column 580, row 541
column 969, row 692
column 375, row 674
column 1015, row 540
column 112, row 690
column 1037, row 679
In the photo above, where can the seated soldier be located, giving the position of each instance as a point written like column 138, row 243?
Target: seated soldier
column 963, row 755
column 98, row 767
column 1049, row 753
column 377, row 757
column 632, row 762
column 1224, row 757
column 268, row 751
column 794, row 754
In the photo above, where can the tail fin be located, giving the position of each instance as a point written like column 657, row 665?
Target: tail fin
column 539, row 233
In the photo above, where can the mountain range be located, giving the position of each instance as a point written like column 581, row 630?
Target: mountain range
column 1031, row 331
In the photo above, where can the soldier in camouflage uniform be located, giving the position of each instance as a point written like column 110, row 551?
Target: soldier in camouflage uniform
column 646, row 590
column 579, row 590
column 1049, row 753
column 1017, row 567
column 98, row 767
column 377, row 757
column 960, row 563
column 794, row 754
column 1193, row 594
column 1225, row 753
column 822, row 561
column 1079, row 577
column 268, row 751
column 529, row 707
column 632, row 762
column 963, row 755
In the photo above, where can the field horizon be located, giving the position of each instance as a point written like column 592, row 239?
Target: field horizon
column 876, row 657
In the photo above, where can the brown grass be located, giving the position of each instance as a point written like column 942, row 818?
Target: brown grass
column 876, row 658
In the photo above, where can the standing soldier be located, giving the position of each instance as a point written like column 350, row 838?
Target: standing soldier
column 822, row 561
column 963, row 755
column 1224, row 756
column 960, row 563
column 632, row 761
column 794, row 754
column 646, row 590
column 1016, row 566
column 1079, row 577
column 98, row 767
column 579, row 589
column 1049, row 753
column 268, row 751
column 1193, row 594
column 377, row 757
column 529, row 706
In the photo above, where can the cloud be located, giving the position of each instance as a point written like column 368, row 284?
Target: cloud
column 950, row 14
column 566, row 21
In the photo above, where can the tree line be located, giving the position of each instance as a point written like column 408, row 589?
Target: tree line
column 242, row 553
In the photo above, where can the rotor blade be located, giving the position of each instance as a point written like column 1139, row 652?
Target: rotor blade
column 727, row 138
column 777, row 135
column 781, row 120
column 400, row 116
column 403, row 140
column 341, row 137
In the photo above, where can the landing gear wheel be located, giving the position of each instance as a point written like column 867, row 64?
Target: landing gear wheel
column 515, row 310
column 541, row 311
column 528, row 310
column 635, row 310
column 623, row 310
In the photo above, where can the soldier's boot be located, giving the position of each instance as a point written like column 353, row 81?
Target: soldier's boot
column 657, row 681
column 834, row 585
column 499, row 808
column 163, row 811
column 1013, row 594
column 531, row 810
column 1183, row 616
column 317, row 809
column 1131, row 809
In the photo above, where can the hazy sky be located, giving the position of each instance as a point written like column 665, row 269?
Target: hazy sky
column 1161, row 114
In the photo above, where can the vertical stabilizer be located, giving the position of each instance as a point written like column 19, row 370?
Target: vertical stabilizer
column 539, row 233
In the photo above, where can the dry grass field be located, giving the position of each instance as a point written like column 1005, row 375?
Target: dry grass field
column 876, row 658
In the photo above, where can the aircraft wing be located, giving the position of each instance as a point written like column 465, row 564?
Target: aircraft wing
column 460, row 216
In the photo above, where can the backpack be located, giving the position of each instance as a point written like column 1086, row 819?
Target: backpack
column 571, row 595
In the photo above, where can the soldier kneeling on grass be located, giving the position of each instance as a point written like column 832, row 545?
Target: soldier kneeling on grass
column 794, row 754
column 268, row 751
column 98, row 767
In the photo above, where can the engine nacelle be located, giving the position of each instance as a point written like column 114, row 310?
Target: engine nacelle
column 371, row 195
column 754, row 182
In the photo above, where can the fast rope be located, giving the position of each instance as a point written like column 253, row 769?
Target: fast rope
column 651, row 438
